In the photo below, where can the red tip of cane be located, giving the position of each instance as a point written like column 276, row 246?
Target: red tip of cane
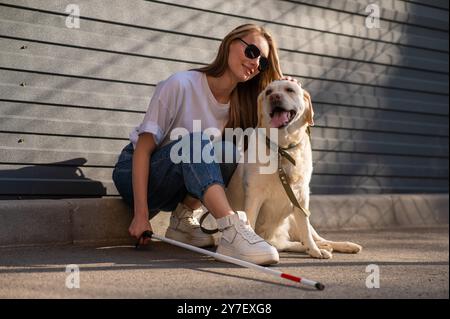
column 290, row 277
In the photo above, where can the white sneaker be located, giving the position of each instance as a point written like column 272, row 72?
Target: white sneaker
column 185, row 227
column 240, row 241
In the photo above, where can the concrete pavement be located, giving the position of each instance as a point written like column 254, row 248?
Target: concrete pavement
column 413, row 263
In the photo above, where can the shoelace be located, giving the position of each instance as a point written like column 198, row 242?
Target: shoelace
column 248, row 232
column 191, row 220
column 188, row 217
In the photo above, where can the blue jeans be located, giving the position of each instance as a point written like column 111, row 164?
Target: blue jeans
column 170, row 182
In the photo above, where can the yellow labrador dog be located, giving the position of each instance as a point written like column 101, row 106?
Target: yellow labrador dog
column 285, row 106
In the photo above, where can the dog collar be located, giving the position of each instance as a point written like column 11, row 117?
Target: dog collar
column 282, row 150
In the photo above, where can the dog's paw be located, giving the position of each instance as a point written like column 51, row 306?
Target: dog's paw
column 324, row 245
column 350, row 248
column 354, row 248
column 326, row 254
column 320, row 253
column 345, row 247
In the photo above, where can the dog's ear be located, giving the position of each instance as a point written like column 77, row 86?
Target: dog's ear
column 309, row 108
column 260, row 108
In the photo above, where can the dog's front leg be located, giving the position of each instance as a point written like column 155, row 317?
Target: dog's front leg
column 304, row 229
column 252, row 207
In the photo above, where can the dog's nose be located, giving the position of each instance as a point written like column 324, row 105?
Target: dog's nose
column 275, row 97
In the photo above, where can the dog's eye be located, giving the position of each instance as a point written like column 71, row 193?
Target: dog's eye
column 268, row 92
column 290, row 90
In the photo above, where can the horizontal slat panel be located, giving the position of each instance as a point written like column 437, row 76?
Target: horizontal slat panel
column 394, row 10
column 145, row 71
column 99, row 174
column 323, row 139
column 358, row 123
column 348, row 94
column 74, row 98
column 83, row 63
column 91, row 87
column 38, row 143
column 439, row 4
column 324, row 160
column 191, row 20
column 367, row 182
column 368, row 169
column 297, row 64
column 322, row 184
column 137, row 41
column 360, row 118
column 304, row 15
column 369, row 142
column 103, row 174
column 161, row 70
column 107, row 38
column 54, row 156
column 382, row 137
column 348, row 24
column 348, row 66
column 322, row 92
column 81, row 86
column 36, row 148
column 75, row 180
column 378, row 114
column 374, row 188
column 342, row 23
column 380, row 159
column 66, row 121
column 42, row 26
column 335, row 140
column 49, row 119
column 74, row 84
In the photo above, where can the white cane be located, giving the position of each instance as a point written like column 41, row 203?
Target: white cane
column 273, row 272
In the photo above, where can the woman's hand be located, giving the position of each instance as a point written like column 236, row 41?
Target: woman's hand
column 290, row 78
column 139, row 225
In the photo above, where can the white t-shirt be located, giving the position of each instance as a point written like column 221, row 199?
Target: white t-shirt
column 178, row 101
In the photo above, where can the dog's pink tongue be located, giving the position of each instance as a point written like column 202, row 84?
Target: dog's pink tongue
column 279, row 119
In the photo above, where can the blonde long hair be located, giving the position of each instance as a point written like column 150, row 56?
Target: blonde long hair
column 243, row 99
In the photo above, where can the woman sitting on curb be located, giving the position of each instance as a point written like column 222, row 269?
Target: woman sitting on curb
column 222, row 94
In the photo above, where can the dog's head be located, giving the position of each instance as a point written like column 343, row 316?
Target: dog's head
column 286, row 106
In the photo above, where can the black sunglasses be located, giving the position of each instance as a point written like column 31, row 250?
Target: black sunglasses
column 252, row 52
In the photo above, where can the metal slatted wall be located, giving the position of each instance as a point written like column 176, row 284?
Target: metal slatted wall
column 69, row 97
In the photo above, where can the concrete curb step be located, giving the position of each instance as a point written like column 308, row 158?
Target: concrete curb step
column 106, row 220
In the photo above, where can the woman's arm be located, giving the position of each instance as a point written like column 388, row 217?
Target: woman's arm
column 140, row 175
